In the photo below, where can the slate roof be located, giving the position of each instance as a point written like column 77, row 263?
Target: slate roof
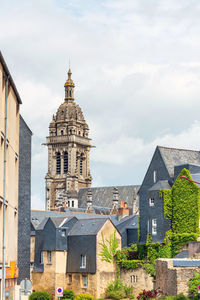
column 161, row 184
column 130, row 222
column 38, row 216
column 103, row 196
column 196, row 177
column 87, row 226
column 174, row 156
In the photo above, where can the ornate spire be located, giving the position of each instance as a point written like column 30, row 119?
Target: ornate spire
column 69, row 87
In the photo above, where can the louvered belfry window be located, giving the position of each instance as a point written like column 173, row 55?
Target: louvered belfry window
column 58, row 162
column 65, row 162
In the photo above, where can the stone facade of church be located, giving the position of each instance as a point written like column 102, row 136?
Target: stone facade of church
column 68, row 153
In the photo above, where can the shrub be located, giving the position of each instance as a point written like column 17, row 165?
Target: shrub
column 115, row 285
column 83, row 297
column 128, row 290
column 115, row 290
column 68, row 294
column 117, row 295
column 40, row 295
column 145, row 295
column 193, row 285
column 181, row 297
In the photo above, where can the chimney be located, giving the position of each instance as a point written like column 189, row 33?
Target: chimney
column 115, row 201
column 89, row 200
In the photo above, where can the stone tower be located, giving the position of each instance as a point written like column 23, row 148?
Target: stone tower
column 68, row 152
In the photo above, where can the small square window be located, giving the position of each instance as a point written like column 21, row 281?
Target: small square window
column 70, row 279
column 85, row 281
column 151, row 202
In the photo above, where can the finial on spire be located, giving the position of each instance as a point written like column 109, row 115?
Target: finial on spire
column 69, row 73
column 69, row 87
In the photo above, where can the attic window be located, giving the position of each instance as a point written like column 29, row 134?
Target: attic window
column 49, row 255
column 83, row 261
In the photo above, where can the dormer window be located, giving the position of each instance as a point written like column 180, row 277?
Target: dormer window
column 42, row 257
column 154, row 176
column 83, row 261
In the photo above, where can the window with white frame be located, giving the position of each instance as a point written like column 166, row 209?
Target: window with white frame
column 134, row 278
column 154, row 226
column 85, row 281
column 49, row 256
column 151, row 202
column 83, row 261
column 154, row 176
column 42, row 257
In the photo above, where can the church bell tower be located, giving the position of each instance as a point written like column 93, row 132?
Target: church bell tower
column 68, row 152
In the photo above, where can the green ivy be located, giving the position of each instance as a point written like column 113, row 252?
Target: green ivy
column 182, row 207
column 167, row 196
column 182, row 204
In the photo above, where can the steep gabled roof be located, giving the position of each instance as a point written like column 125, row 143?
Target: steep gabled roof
column 87, row 226
column 174, row 156
column 129, row 222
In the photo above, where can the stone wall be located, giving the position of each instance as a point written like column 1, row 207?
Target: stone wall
column 138, row 279
column 173, row 280
column 77, row 283
column 106, row 272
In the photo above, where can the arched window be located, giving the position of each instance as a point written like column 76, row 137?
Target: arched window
column 70, row 93
column 58, row 162
column 65, row 162
column 61, row 132
column 81, row 165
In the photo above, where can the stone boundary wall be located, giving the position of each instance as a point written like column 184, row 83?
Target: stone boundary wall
column 137, row 278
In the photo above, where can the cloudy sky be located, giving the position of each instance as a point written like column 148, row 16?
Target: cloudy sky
column 136, row 66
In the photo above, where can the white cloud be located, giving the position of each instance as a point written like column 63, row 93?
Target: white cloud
column 136, row 66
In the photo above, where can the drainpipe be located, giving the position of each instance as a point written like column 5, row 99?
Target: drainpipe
column 4, row 192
